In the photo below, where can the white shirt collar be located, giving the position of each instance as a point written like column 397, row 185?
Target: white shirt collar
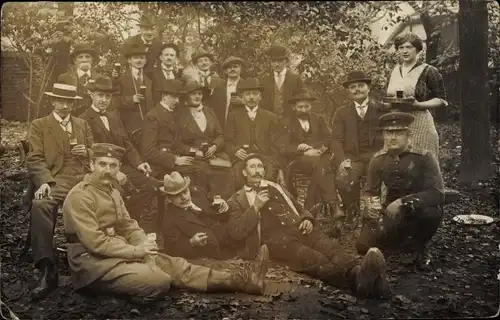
column 136, row 72
column 145, row 42
column 167, row 107
column 97, row 110
column 193, row 206
column 363, row 104
column 252, row 111
column 164, row 67
column 59, row 119
column 282, row 73
column 231, row 83
column 207, row 73
column 80, row 73
column 197, row 109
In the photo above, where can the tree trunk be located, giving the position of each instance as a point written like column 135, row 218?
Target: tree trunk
column 476, row 162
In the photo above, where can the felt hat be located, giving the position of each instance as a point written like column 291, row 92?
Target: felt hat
column 146, row 22
column 101, row 84
column 135, row 49
column 83, row 48
column 193, row 85
column 277, row 52
column 394, row 121
column 356, row 76
column 301, row 96
column 172, row 86
column 250, row 84
column 169, row 45
column 65, row 91
column 232, row 60
column 200, row 54
column 174, row 183
column 107, row 150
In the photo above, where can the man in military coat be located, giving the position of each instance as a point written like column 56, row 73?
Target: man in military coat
column 411, row 209
column 264, row 212
column 57, row 161
column 107, row 127
column 305, row 142
column 109, row 252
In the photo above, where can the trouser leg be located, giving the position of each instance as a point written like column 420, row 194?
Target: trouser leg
column 136, row 201
column 43, row 219
column 220, row 182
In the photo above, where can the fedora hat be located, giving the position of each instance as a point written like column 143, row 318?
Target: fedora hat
column 83, row 48
column 232, row 60
column 102, row 84
column 135, row 49
column 169, row 45
column 65, row 91
column 193, row 85
column 277, row 52
column 356, row 76
column 250, row 84
column 146, row 22
column 172, row 86
column 174, row 183
column 301, row 96
column 200, row 54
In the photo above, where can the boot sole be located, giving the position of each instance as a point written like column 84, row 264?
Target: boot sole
column 372, row 278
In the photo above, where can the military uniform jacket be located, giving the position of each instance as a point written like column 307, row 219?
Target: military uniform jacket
column 277, row 222
column 293, row 134
column 116, row 134
column 47, row 146
column 181, row 225
column 189, row 134
column 97, row 216
column 414, row 173
column 345, row 142
column 238, row 132
column 159, row 136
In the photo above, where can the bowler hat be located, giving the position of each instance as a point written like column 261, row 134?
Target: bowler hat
column 193, row 85
column 146, row 22
column 107, row 150
column 356, row 76
column 172, row 86
column 301, row 96
column 169, row 45
column 277, row 52
column 65, row 91
column 393, row 121
column 174, row 183
column 135, row 49
column 232, row 60
column 201, row 53
column 250, row 84
column 83, row 48
column 101, row 84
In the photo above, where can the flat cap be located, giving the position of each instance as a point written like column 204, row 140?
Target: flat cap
column 396, row 121
column 232, row 60
column 107, row 150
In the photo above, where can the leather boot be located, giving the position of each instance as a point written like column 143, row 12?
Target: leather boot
column 336, row 211
column 249, row 280
column 370, row 278
column 47, row 282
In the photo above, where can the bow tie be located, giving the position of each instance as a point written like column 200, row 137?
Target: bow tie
column 103, row 114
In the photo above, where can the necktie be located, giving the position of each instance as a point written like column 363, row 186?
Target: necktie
column 84, row 79
column 169, row 74
column 362, row 111
column 139, row 77
column 279, row 80
column 65, row 124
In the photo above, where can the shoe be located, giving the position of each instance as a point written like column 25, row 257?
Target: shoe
column 371, row 276
column 336, row 211
column 47, row 282
column 254, row 273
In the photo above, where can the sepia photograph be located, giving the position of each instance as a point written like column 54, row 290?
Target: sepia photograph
column 242, row 160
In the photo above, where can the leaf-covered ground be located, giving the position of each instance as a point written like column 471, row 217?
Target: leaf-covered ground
column 463, row 282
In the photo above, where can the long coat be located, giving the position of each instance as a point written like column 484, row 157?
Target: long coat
column 345, row 142
column 151, row 56
column 128, row 110
column 116, row 135
column 45, row 158
column 88, row 212
column 291, row 85
column 245, row 222
column 71, row 77
column 159, row 137
column 190, row 135
column 238, row 132
column 181, row 225
column 218, row 102
column 158, row 78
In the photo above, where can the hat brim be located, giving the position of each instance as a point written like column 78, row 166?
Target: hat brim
column 149, row 25
column 50, row 94
column 178, row 93
column 393, row 128
column 365, row 80
column 260, row 88
column 138, row 53
column 284, row 57
column 94, row 89
column 93, row 53
column 294, row 100
column 204, row 90
column 230, row 63
column 209, row 55
column 187, row 181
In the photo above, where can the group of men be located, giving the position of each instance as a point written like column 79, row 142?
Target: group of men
column 226, row 150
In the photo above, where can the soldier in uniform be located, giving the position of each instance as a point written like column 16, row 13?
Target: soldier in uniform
column 253, row 129
column 305, row 141
column 107, row 127
column 415, row 193
column 108, row 251
column 57, row 161
column 264, row 212
column 194, row 225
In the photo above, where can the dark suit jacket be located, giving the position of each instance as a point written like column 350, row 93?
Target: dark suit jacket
column 152, row 56
column 71, row 77
column 345, row 142
column 159, row 137
column 47, row 146
column 116, row 135
column 157, row 78
column 238, row 132
column 244, row 220
column 128, row 110
column 181, row 225
column 293, row 134
column 218, row 101
column 291, row 85
column 189, row 134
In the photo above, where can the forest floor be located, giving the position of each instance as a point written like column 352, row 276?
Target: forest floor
column 463, row 282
